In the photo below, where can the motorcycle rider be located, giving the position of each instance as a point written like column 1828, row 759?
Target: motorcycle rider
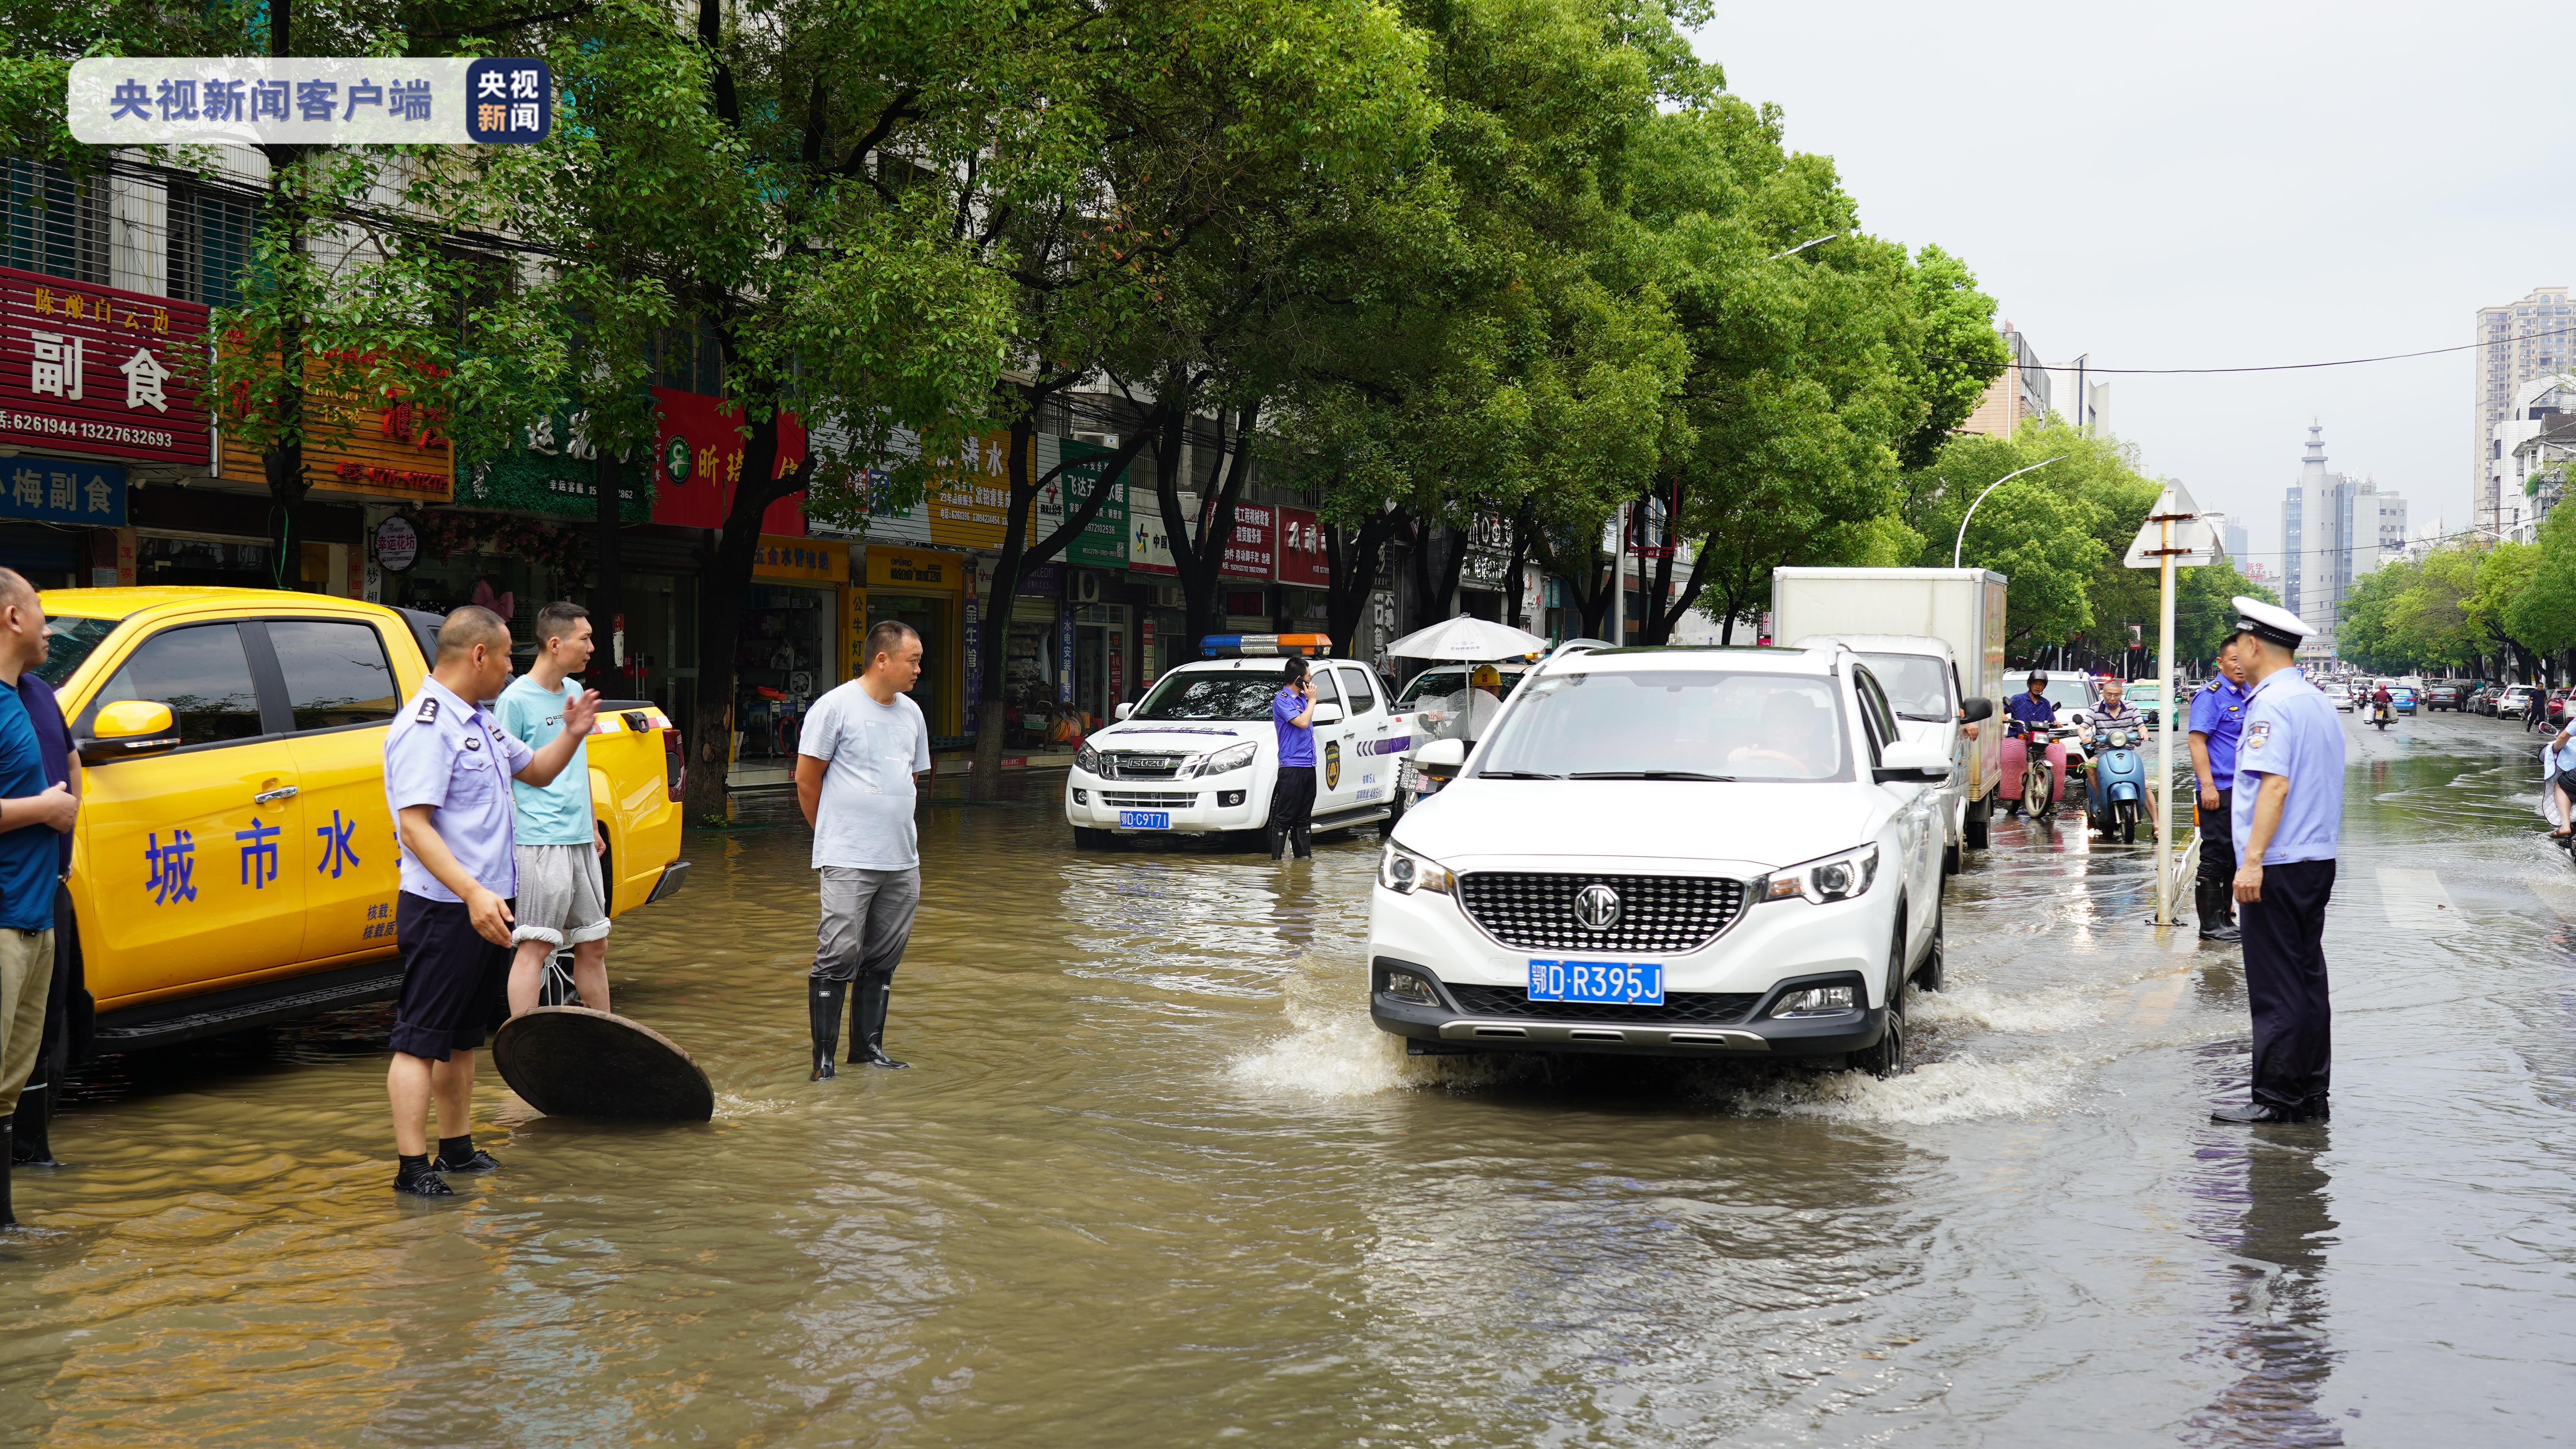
column 2381, row 703
column 2564, row 782
column 2032, row 711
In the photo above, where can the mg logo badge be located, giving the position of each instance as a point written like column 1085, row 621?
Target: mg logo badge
column 1596, row 907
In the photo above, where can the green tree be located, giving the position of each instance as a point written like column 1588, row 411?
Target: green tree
column 2056, row 533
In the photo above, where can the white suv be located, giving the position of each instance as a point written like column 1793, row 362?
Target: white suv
column 1198, row 755
column 1670, row 852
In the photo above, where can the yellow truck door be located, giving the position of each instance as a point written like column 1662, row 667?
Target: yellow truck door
column 196, row 854
column 342, row 689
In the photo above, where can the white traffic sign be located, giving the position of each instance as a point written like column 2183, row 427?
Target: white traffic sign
column 2192, row 540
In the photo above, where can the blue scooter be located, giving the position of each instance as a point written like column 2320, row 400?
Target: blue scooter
column 2115, row 781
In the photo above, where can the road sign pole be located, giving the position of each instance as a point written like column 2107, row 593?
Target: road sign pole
column 2164, row 736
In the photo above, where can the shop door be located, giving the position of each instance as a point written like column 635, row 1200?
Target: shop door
column 929, row 619
column 208, row 839
column 1091, row 672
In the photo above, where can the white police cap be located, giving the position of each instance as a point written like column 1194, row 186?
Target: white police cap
column 2270, row 622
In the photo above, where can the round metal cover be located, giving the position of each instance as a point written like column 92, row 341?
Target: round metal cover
column 1596, row 908
column 571, row 1061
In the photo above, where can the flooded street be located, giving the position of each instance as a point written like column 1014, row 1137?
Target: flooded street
column 1155, row 1179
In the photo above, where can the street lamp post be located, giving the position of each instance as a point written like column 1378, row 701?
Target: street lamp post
column 1991, row 487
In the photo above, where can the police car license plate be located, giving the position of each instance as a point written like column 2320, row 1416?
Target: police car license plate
column 1627, row 983
column 1144, row 819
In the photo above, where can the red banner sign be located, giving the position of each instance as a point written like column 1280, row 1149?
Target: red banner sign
column 1302, row 561
column 1250, row 551
column 697, row 463
column 87, row 369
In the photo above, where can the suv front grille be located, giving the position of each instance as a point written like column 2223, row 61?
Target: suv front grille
column 1535, row 910
column 1147, row 800
column 1140, row 767
column 1680, row 1008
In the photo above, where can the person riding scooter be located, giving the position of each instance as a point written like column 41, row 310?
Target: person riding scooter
column 2115, row 773
column 2034, row 715
column 2382, row 705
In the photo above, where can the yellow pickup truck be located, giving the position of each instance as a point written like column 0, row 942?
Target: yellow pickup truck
column 234, row 864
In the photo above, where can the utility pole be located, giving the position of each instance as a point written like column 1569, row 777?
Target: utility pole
column 1619, row 580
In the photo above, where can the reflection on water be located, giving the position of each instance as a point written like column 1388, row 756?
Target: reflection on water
column 1155, row 1179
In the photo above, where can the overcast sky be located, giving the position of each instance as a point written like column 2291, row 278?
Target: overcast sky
column 2204, row 184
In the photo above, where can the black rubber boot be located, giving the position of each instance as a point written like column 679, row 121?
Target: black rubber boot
column 867, row 1029
column 823, row 999
column 1278, row 836
column 8, row 1218
column 2217, row 922
column 35, row 1145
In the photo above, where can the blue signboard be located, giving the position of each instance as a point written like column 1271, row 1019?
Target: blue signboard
column 58, row 490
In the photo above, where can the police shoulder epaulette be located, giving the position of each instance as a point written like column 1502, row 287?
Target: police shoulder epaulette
column 428, row 709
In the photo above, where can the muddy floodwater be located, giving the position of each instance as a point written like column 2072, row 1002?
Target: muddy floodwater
column 1154, row 1179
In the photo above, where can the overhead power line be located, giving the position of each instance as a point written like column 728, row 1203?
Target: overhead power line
column 2267, row 367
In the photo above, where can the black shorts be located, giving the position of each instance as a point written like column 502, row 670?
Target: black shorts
column 455, row 984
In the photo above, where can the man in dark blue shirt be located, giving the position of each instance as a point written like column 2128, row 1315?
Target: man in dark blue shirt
column 2029, row 712
column 2217, row 720
column 32, row 1145
column 28, row 859
column 1292, row 795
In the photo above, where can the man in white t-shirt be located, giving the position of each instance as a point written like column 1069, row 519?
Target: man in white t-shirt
column 856, row 756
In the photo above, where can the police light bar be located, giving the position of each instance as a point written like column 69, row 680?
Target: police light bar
column 1219, row 646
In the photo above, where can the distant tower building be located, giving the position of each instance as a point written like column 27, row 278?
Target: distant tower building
column 2016, row 396
column 2335, row 528
column 2232, row 538
column 2517, row 342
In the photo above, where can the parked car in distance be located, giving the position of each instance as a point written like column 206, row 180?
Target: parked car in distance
column 2516, row 699
column 2443, row 694
column 2401, row 697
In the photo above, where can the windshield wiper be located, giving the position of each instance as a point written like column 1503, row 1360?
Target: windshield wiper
column 1514, row 775
column 1645, row 775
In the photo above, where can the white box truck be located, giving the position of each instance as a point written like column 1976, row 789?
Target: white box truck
column 1963, row 608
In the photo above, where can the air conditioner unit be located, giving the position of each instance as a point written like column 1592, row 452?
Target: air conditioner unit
column 1169, row 596
column 1086, row 588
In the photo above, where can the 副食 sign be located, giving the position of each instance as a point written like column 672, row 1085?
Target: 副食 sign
column 102, row 371
column 311, row 101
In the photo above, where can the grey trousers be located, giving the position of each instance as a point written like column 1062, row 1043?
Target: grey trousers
column 867, row 919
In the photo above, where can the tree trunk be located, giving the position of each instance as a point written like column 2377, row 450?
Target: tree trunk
column 1516, row 576
column 1353, row 558
column 722, row 586
column 1200, row 560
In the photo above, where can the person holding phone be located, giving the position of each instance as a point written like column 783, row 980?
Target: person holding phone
column 1292, row 797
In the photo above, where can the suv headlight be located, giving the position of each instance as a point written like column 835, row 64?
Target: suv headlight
column 1223, row 761
column 1404, row 872
column 1087, row 760
column 1834, row 878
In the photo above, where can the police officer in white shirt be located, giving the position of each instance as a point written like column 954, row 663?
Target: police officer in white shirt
column 2288, row 804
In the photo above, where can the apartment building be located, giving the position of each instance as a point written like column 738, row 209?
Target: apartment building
column 2517, row 342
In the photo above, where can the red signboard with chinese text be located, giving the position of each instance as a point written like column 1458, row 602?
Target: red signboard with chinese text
column 697, row 462
column 97, row 370
column 1302, row 561
column 1249, row 553
column 360, row 441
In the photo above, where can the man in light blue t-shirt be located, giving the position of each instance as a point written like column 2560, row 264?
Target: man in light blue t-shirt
column 856, row 755
column 562, row 900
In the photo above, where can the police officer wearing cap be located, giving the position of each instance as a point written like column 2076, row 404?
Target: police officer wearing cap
column 2287, row 804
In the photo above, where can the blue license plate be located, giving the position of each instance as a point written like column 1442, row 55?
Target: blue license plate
column 1628, row 983
column 1144, row 819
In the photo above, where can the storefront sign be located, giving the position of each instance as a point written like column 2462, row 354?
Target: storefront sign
column 789, row 559
column 914, row 571
column 1250, row 551
column 382, row 445
column 854, row 631
column 60, row 490
column 697, row 463
column 974, row 632
column 397, row 544
column 554, row 470
column 1303, row 562
column 970, row 494
column 1149, row 547
column 1117, row 670
column 1489, row 554
column 1064, row 660
column 101, row 371
column 1103, row 544
column 1145, row 648
column 1046, row 581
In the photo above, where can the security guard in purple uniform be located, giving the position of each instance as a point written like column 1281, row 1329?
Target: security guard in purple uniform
column 2288, row 803
column 2217, row 723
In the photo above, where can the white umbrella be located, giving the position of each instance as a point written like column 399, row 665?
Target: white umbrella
column 1468, row 637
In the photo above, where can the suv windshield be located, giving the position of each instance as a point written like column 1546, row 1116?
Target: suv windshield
column 73, row 638
column 1917, row 685
column 1610, row 724
column 1233, row 694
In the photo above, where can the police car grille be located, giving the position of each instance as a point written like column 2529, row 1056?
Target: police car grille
column 1534, row 910
column 1142, row 767
column 1146, row 800
column 1679, row 1008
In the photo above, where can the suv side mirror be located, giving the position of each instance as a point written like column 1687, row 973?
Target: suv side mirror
column 1441, row 759
column 1125, row 710
column 1325, row 714
column 1910, row 762
column 129, row 729
column 1973, row 710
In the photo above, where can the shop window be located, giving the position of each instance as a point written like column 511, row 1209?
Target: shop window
column 210, row 243
column 336, row 674
column 57, row 222
column 782, row 661
column 202, row 674
column 201, row 561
